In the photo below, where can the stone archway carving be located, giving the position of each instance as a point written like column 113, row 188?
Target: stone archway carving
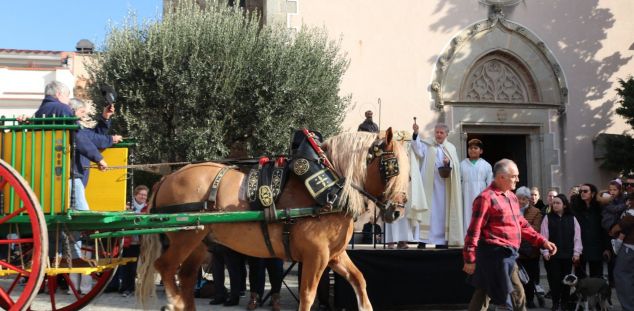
column 495, row 37
column 499, row 77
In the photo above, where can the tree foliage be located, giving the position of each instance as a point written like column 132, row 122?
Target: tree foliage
column 200, row 83
column 620, row 148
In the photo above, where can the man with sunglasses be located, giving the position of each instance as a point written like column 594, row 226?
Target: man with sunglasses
column 587, row 211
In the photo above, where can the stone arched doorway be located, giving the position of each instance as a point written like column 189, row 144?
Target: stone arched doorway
column 499, row 82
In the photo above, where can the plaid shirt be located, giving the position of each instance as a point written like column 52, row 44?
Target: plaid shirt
column 497, row 219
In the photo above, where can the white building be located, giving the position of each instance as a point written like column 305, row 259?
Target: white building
column 25, row 73
column 535, row 80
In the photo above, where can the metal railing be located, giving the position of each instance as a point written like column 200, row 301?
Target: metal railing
column 40, row 150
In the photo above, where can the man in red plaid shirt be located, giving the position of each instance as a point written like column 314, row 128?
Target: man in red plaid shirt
column 497, row 227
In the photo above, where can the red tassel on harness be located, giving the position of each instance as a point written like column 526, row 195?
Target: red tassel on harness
column 280, row 162
column 263, row 161
column 310, row 136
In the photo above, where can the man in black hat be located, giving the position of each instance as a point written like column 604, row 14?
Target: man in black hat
column 368, row 125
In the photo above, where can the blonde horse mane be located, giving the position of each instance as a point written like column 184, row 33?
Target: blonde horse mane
column 348, row 153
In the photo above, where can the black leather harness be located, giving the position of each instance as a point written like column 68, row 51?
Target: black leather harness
column 264, row 185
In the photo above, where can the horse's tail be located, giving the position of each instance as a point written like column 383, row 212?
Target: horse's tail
column 145, row 287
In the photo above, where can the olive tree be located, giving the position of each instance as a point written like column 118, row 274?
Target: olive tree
column 201, row 84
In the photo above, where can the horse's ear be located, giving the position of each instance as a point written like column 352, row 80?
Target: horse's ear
column 388, row 136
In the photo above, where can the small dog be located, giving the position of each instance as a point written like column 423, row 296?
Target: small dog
column 589, row 292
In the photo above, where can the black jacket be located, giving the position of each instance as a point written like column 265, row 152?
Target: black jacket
column 368, row 126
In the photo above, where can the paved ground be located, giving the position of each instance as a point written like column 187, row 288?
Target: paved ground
column 115, row 301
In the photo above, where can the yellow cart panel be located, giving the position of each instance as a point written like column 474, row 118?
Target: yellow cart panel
column 43, row 159
column 106, row 191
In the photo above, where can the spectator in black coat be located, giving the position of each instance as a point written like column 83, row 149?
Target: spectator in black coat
column 368, row 125
column 587, row 211
column 367, row 233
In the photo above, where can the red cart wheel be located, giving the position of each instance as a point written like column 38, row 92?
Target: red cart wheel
column 24, row 264
column 72, row 297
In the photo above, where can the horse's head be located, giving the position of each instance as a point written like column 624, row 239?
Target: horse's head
column 387, row 176
column 374, row 168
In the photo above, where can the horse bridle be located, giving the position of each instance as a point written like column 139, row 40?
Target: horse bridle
column 388, row 163
column 389, row 168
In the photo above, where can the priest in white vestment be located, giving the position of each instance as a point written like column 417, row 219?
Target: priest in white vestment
column 477, row 174
column 407, row 227
column 444, row 225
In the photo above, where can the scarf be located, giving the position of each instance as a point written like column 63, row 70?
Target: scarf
column 137, row 207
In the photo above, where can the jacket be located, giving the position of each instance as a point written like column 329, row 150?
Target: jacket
column 51, row 106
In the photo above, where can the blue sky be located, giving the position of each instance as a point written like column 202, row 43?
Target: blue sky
column 57, row 25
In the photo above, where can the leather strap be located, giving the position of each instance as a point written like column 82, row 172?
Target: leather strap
column 252, row 184
column 194, row 206
column 264, row 225
column 213, row 193
column 286, row 239
column 266, row 201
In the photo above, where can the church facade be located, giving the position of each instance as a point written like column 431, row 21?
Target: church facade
column 534, row 80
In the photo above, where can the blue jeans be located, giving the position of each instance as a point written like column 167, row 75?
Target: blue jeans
column 80, row 195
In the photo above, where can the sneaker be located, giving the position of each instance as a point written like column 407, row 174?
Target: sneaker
column 126, row 294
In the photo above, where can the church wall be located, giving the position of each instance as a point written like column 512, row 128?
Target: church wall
column 393, row 50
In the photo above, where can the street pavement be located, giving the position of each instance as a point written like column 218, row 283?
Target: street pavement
column 115, row 301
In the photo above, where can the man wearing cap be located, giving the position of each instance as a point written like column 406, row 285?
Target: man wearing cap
column 476, row 174
column 368, row 125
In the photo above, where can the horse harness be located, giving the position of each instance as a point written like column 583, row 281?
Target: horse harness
column 207, row 205
column 266, row 181
column 310, row 164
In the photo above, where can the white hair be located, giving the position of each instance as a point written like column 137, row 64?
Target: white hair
column 55, row 87
column 86, row 121
column 442, row 126
column 502, row 166
column 523, row 191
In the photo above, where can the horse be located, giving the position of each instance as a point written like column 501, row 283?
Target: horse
column 317, row 242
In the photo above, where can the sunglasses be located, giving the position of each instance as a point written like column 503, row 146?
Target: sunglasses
column 628, row 184
column 584, row 191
